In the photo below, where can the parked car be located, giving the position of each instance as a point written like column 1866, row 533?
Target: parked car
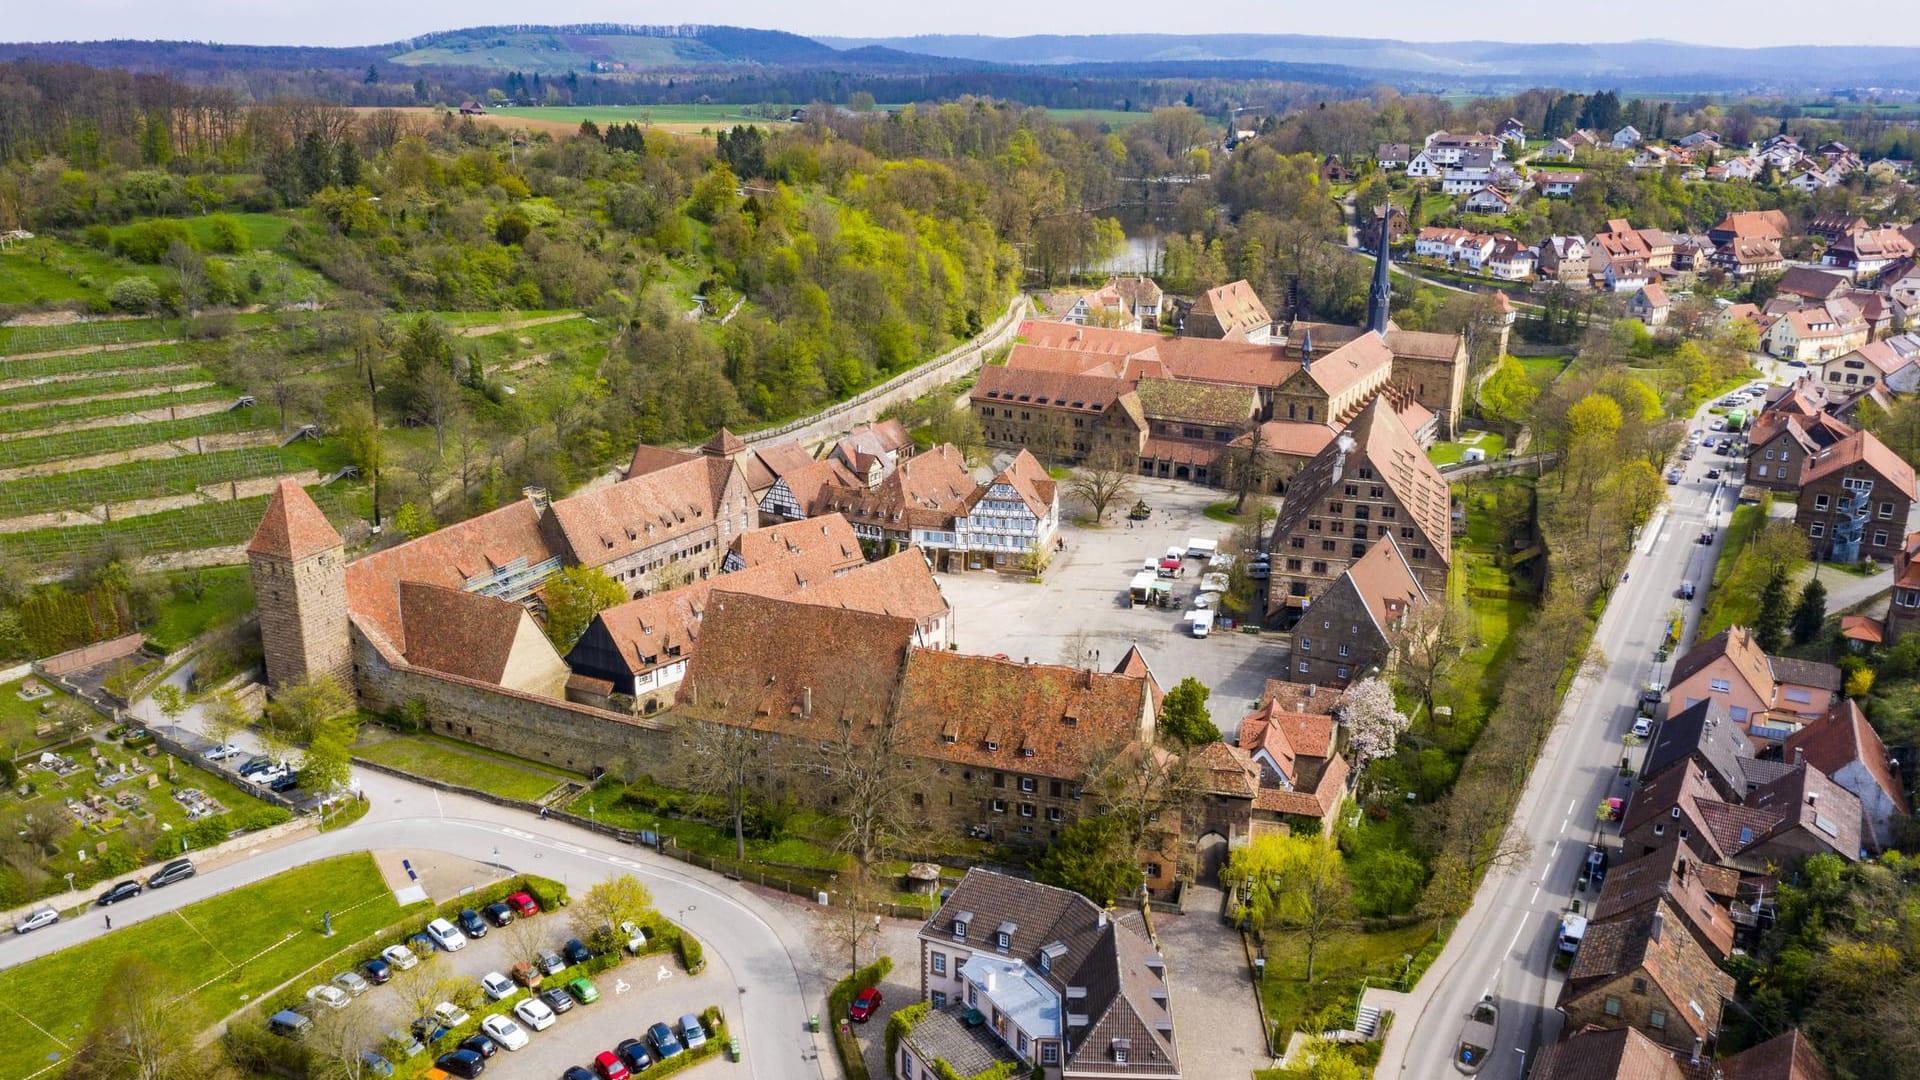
column 693, row 1036
column 464, row 1064
column 450, row 1014
column 375, row 1064
column 46, row 916
column 175, row 871
column 865, row 1004
column 523, row 905
column 400, row 957
column 527, row 975
column 1596, row 865
column 352, row 983
column 284, row 783
column 665, row 1043
column 422, row 944
column 403, row 1044
column 289, row 1023
column 1706, row 537
column 1673, row 476
column 583, row 990
column 480, row 1043
column 1616, row 809
column 497, row 986
column 557, row 999
column 126, row 890
column 446, row 935
column 222, row 752
column 501, row 1029
column 576, row 1072
column 534, row 1013
column 634, row 1053
column 377, row 971
column 1713, row 474
column 1477, row 1036
column 1643, row 726
column 1686, row 590
column 576, row 951
column 259, row 763
column 634, row 937
column 472, row 925
column 498, row 914
column 329, row 995
column 551, row 963
column 428, row 1030
column 607, row 1066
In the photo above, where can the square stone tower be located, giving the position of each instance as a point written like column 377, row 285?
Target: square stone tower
column 299, row 570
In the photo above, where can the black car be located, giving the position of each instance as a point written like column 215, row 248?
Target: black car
column 634, row 1053
column 377, row 971
column 557, row 999
column 480, row 1043
column 285, row 783
column 576, row 951
column 499, row 914
column 177, row 870
column 1713, row 474
column 472, row 925
column 429, row 1030
column 462, row 1063
column 575, row 1072
column 126, row 890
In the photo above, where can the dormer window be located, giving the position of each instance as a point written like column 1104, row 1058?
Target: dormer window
column 1121, row 1047
column 992, row 747
column 1003, row 936
column 960, row 922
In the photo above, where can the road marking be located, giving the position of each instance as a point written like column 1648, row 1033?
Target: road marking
column 1534, row 897
column 1515, row 939
column 1571, row 803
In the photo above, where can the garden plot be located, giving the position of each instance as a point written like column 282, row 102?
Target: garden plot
column 125, row 488
column 208, row 525
column 116, row 412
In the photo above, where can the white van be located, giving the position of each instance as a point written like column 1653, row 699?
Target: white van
column 1573, row 930
column 1198, row 548
column 1199, row 623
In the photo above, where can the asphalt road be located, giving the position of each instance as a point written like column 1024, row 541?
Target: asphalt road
column 751, row 972
column 1505, row 946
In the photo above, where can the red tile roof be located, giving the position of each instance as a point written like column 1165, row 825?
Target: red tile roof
column 615, row 521
column 831, row 532
column 1783, row 1057
column 451, row 556
column 925, row 491
column 293, row 527
column 1235, row 308
column 1295, row 438
column 456, row 632
column 1042, row 719
column 648, row 459
column 1863, row 628
column 1386, row 584
column 1862, row 447
column 1841, row 738
column 1608, row 1054
column 1671, row 873
column 768, row 463
column 1649, row 942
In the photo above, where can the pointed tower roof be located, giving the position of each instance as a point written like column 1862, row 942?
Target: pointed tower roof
column 723, row 444
column 1380, row 295
column 293, row 527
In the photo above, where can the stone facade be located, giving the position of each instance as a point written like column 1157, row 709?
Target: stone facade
column 303, row 615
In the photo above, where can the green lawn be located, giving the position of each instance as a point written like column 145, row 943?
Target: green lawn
column 1547, row 367
column 1736, row 578
column 1447, row 453
column 226, row 595
column 226, row 951
column 452, row 762
column 18, row 718
column 1340, row 963
column 49, row 270
column 604, row 803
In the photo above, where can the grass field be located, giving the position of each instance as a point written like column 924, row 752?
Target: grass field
column 49, row 270
column 1447, row 453
column 1341, row 961
column 226, row 595
column 226, row 951
column 453, row 762
column 18, row 718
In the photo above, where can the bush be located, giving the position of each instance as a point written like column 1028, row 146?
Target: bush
column 134, row 295
column 148, row 241
column 97, row 236
column 229, row 235
column 691, row 954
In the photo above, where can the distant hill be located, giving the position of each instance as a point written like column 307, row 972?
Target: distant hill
column 1561, row 64
column 555, row 50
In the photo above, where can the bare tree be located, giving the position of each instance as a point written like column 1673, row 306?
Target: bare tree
column 339, row 1037
column 724, row 761
column 191, row 271
column 135, row 1030
column 1145, row 790
column 469, row 448
column 1050, row 438
column 1426, row 645
column 1104, row 478
column 850, row 923
column 426, row 984
column 523, row 942
column 1247, row 464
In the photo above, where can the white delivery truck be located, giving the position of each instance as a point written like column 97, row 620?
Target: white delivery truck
column 1202, row 549
column 1199, row 622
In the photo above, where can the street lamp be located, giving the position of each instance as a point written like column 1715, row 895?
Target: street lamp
column 69, row 881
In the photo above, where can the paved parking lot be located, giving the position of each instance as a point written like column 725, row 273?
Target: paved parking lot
column 632, row 996
column 1078, row 607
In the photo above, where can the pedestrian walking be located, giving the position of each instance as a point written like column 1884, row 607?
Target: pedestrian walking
column 109, row 922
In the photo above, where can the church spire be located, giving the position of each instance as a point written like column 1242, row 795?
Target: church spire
column 1380, row 296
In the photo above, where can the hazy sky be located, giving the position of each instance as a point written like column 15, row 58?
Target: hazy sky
column 362, row 22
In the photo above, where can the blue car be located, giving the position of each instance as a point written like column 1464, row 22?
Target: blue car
column 665, row 1043
column 376, row 1065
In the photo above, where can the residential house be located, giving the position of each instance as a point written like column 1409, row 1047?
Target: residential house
column 657, row 527
column 1230, row 312
column 1866, row 252
column 1010, row 517
column 1557, row 150
column 1347, row 628
column 1704, row 135
column 1903, row 608
column 798, row 492
column 1768, row 696
column 1844, row 746
column 1774, row 828
column 1816, row 332
column 1055, row 978
column 1781, row 442
column 1141, row 296
column 1646, row 972
column 1557, row 185
column 1510, row 261
column 874, row 450
column 1695, row 890
column 941, row 1043
column 1627, row 138
column 1855, row 497
column 1422, row 166
column 1807, row 283
column 1564, row 259
column 1751, row 225
column 1372, row 482
column 1283, row 772
column 1809, row 178
column 1488, row 200
column 1748, row 256
column 1446, row 148
column 1392, row 156
column 1596, row 1053
column 999, row 747
column 1512, row 132
column 1650, row 305
column 1332, row 170
column 1369, row 230
column 916, row 504
column 1651, row 157
column 1434, row 242
column 1831, row 225
column 1626, row 275
column 1704, row 736
column 1891, row 362
column 1474, row 169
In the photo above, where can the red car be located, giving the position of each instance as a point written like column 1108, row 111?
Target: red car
column 609, row 1067
column 523, row 905
column 1616, row 809
column 865, row 1004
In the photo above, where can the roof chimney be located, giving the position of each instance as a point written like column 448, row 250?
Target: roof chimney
column 806, row 703
column 1813, row 798
column 1103, row 918
column 1698, row 1043
column 1799, row 755
column 1659, row 924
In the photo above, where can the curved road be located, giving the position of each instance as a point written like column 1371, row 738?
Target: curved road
column 759, row 966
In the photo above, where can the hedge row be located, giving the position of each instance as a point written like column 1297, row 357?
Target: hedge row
column 851, row 1059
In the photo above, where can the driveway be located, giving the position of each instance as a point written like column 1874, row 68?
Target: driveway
column 1212, row 990
column 1077, row 609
